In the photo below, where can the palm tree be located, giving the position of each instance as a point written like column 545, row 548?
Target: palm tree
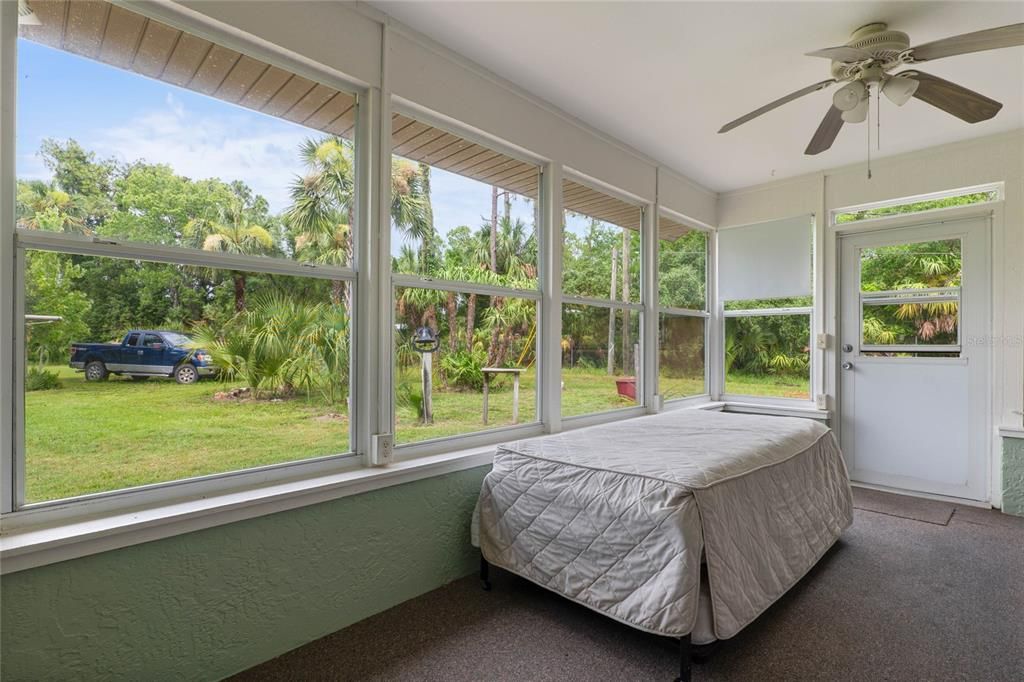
column 323, row 203
column 41, row 206
column 231, row 232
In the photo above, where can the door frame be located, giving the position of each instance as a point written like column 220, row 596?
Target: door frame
column 992, row 212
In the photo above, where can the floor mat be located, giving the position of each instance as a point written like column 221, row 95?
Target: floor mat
column 903, row 506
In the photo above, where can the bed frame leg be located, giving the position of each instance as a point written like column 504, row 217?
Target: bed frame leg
column 684, row 659
column 485, row 573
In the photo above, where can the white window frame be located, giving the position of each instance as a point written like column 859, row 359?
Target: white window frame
column 672, row 311
column 486, row 436
column 813, row 313
column 17, row 514
column 645, row 384
column 997, row 188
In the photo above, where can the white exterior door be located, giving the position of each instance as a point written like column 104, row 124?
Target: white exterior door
column 914, row 375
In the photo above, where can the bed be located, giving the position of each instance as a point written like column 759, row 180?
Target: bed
column 687, row 524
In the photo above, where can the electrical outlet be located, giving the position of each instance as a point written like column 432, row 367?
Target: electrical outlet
column 382, row 449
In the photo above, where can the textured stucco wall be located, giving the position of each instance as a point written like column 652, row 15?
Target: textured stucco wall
column 1013, row 476
column 207, row 604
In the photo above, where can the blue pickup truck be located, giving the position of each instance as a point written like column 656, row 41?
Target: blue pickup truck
column 143, row 353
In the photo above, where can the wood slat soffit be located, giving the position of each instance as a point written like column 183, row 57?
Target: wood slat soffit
column 119, row 37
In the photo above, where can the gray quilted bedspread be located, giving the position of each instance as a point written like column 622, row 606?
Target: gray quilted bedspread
column 618, row 516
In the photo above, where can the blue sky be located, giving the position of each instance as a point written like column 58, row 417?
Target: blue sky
column 123, row 115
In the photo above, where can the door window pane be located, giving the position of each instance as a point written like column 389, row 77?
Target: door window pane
column 600, row 359
column 478, row 339
column 923, row 265
column 256, row 372
column 768, row 355
column 681, row 357
column 915, row 323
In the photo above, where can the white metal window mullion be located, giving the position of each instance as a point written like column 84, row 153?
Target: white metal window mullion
column 462, row 287
column 364, row 361
column 10, row 370
column 649, row 320
column 602, row 303
column 549, row 366
column 173, row 255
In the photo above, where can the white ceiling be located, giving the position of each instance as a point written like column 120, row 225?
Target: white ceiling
column 663, row 77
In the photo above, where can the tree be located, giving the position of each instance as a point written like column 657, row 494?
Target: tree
column 51, row 288
column 232, row 232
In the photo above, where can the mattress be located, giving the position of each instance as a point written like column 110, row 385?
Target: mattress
column 618, row 517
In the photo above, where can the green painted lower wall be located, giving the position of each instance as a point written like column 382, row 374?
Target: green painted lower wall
column 1013, row 476
column 208, row 604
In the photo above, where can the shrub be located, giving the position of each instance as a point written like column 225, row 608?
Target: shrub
column 39, row 379
column 280, row 345
column 464, row 369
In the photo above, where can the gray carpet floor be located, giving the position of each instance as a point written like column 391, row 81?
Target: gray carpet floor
column 895, row 599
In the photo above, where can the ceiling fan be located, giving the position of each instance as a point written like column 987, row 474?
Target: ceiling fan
column 867, row 59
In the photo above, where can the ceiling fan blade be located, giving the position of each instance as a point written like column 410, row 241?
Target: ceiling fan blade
column 978, row 41
column 777, row 103
column 954, row 99
column 842, row 53
column 826, row 133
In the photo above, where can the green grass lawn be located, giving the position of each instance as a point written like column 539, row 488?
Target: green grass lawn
column 92, row 437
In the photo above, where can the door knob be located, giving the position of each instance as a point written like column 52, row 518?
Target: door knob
column 847, row 365
column 847, row 348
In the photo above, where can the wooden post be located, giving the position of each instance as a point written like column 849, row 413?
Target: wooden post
column 486, row 396
column 426, row 385
column 515, row 397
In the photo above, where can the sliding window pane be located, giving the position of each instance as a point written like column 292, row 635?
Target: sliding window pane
column 682, row 266
column 768, row 355
column 141, row 373
column 462, row 342
column 600, row 359
column 221, row 152
column 681, row 357
column 601, row 251
column 461, row 211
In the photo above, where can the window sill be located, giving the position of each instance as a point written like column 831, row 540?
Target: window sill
column 779, row 410
column 24, row 546
column 33, row 546
column 1011, row 432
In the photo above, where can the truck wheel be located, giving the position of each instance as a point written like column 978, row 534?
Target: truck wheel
column 139, row 377
column 186, row 373
column 95, row 370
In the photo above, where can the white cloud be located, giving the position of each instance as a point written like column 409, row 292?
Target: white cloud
column 232, row 146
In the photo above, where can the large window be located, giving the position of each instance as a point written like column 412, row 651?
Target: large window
column 601, row 289
column 765, row 285
column 464, row 256
column 682, row 300
column 170, row 330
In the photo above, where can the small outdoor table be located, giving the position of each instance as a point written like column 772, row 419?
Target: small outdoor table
column 515, row 372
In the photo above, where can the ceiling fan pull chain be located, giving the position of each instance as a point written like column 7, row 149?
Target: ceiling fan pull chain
column 868, row 126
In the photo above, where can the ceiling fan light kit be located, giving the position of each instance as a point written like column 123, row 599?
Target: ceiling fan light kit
column 849, row 96
column 869, row 58
column 899, row 89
